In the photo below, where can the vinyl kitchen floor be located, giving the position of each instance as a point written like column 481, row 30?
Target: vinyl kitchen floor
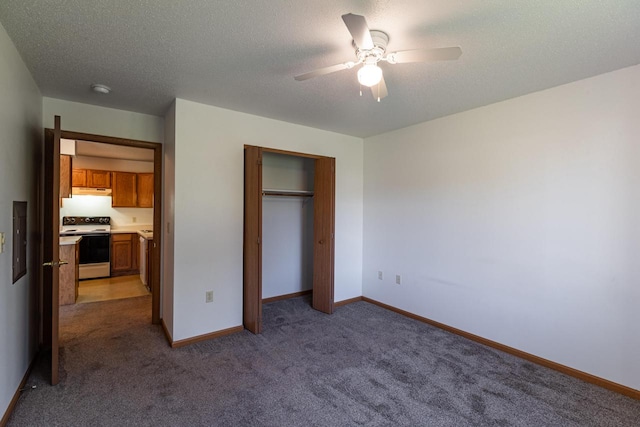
column 110, row 288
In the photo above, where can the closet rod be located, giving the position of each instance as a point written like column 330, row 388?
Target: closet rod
column 287, row 193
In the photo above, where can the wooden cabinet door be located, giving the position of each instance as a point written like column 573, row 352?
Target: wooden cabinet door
column 68, row 294
column 79, row 177
column 121, row 253
column 123, row 185
column 323, row 233
column 98, row 179
column 65, row 176
column 252, row 277
column 145, row 190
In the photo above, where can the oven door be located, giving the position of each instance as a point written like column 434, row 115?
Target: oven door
column 95, row 248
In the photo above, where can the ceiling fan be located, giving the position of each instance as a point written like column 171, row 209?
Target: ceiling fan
column 371, row 48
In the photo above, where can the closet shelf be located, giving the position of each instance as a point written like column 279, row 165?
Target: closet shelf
column 287, row 193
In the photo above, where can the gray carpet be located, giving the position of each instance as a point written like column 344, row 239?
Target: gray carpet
column 363, row 365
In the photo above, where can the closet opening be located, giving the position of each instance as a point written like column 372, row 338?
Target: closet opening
column 288, row 230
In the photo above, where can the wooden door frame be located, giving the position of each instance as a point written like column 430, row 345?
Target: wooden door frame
column 327, row 307
column 157, row 204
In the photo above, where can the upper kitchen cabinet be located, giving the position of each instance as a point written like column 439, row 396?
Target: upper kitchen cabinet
column 98, row 179
column 79, row 177
column 91, row 178
column 123, row 187
column 65, row 177
column 145, row 190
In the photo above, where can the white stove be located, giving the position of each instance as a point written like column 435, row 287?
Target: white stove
column 95, row 246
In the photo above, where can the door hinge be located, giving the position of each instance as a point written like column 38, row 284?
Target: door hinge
column 259, row 162
column 258, row 240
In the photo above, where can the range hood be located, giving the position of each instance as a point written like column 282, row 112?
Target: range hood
column 83, row 191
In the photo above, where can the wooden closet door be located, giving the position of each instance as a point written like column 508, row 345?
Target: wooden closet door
column 252, row 282
column 323, row 233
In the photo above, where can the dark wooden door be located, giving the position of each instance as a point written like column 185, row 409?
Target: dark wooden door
column 323, row 234
column 51, row 247
column 252, row 266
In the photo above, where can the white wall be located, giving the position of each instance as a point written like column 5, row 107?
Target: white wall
column 287, row 245
column 20, row 145
column 208, row 211
column 518, row 222
column 104, row 121
column 287, row 226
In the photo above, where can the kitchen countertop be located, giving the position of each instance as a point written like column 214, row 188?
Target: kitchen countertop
column 69, row 240
column 130, row 228
column 142, row 230
column 146, row 234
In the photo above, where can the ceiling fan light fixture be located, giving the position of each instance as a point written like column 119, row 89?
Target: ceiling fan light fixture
column 369, row 75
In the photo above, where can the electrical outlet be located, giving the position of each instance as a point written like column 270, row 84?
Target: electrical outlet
column 398, row 279
column 379, row 275
column 1, row 242
column 209, row 296
column 134, row 219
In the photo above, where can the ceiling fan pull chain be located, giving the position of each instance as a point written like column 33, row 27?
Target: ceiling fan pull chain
column 360, row 90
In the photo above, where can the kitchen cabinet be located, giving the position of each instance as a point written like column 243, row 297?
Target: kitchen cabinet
column 79, row 177
column 129, row 189
column 91, row 178
column 65, row 176
column 124, row 254
column 123, row 187
column 145, row 190
column 69, row 273
column 98, row 179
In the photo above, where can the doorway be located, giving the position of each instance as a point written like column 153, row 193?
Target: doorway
column 323, row 194
column 154, row 247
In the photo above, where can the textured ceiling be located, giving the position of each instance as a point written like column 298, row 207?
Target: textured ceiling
column 243, row 55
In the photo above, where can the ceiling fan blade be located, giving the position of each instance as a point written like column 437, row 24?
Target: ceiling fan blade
column 357, row 26
column 323, row 71
column 425, row 55
column 379, row 91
